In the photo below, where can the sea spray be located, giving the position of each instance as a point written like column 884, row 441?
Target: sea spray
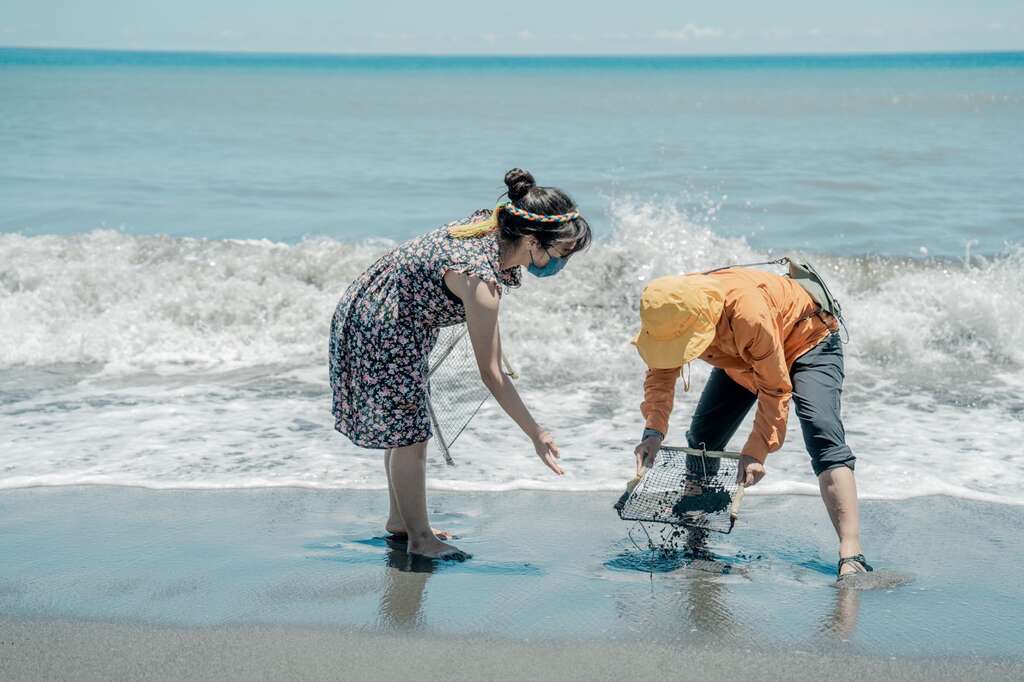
column 141, row 302
column 197, row 362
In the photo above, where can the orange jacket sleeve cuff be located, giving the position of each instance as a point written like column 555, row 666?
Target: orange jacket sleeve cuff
column 755, row 448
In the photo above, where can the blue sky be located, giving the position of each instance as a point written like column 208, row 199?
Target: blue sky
column 516, row 26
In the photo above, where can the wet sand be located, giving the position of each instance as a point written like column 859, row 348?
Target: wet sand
column 106, row 582
column 102, row 651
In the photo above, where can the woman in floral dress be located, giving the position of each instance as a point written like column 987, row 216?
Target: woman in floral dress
column 388, row 319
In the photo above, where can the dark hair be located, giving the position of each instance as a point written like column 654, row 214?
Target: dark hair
column 525, row 194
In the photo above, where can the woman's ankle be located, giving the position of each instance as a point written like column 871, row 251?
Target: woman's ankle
column 421, row 538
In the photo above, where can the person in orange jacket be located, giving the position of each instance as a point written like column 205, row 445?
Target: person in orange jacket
column 768, row 342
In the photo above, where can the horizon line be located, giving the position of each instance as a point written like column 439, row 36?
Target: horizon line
column 515, row 55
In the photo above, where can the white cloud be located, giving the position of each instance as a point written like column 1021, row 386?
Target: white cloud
column 394, row 37
column 489, row 37
column 777, row 33
column 995, row 26
column 689, row 32
column 524, row 35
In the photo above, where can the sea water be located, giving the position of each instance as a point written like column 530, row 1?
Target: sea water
column 177, row 228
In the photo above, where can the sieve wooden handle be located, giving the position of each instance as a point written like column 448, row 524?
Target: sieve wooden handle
column 734, row 510
column 699, row 452
column 634, row 481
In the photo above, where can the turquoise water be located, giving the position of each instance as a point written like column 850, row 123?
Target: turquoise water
column 176, row 229
column 887, row 154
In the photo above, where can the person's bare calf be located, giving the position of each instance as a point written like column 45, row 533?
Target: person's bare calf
column 408, row 477
column 838, row 488
column 395, row 525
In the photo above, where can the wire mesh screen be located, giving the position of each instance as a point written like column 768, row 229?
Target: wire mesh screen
column 455, row 392
column 686, row 487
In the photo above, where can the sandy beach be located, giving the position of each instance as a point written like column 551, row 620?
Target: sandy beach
column 101, row 651
column 188, row 191
column 129, row 583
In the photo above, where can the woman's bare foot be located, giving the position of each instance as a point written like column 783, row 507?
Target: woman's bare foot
column 435, row 549
column 399, row 530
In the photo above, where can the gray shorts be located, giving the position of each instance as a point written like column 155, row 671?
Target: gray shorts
column 817, row 378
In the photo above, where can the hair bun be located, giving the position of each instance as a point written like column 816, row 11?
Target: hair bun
column 519, row 183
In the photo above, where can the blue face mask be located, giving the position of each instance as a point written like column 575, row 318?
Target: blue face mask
column 554, row 264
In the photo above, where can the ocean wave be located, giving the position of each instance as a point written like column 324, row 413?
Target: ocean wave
column 160, row 362
column 129, row 302
column 142, row 302
column 609, row 489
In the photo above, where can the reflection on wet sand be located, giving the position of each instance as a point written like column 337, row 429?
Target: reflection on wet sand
column 706, row 596
column 694, row 605
column 706, row 604
column 405, row 580
column 841, row 623
column 698, row 605
column 698, row 609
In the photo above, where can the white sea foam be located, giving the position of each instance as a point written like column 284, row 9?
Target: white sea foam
column 199, row 363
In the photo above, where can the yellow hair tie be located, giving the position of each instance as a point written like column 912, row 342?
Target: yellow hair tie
column 479, row 228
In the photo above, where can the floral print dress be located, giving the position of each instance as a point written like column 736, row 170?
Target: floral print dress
column 386, row 324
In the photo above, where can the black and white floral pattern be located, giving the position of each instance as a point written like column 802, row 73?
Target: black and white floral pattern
column 385, row 326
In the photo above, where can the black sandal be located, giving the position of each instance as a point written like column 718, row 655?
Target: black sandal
column 856, row 558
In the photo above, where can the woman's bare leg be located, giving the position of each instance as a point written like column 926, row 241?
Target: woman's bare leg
column 408, row 479
column 839, row 493
column 395, row 525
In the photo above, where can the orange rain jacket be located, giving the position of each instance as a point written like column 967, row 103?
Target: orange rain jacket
column 768, row 321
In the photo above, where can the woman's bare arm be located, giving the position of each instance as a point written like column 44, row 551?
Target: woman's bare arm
column 481, row 301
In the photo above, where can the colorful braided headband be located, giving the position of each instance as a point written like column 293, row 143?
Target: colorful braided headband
column 540, row 217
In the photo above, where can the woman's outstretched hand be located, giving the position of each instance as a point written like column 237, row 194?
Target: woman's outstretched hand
column 546, row 449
